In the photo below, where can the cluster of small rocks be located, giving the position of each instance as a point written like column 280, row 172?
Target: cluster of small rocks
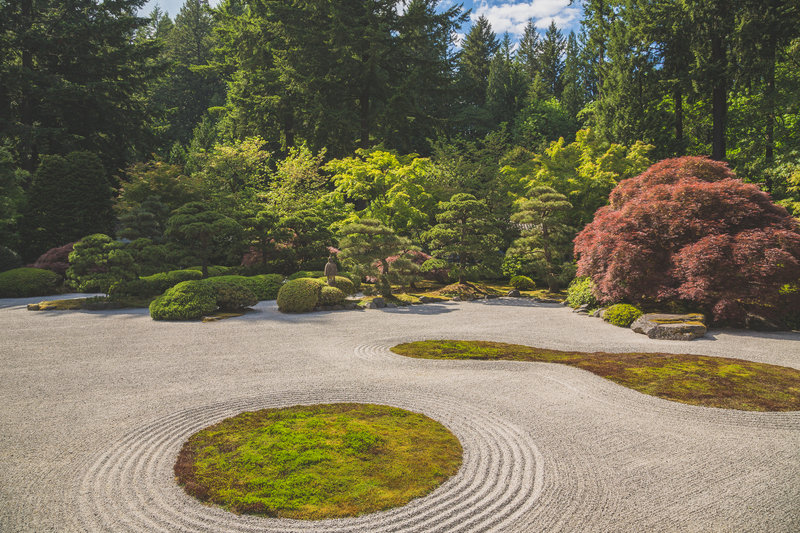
column 659, row 325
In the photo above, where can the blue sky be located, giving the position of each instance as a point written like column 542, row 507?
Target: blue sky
column 505, row 15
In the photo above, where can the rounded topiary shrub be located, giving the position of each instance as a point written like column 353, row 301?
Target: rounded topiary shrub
column 342, row 283
column 299, row 295
column 233, row 293
column 330, row 296
column 522, row 283
column 581, row 292
column 24, row 282
column 622, row 315
column 187, row 300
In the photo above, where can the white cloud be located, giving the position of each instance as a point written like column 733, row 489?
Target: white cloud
column 512, row 17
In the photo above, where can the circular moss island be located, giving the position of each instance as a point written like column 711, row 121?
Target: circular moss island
column 318, row 461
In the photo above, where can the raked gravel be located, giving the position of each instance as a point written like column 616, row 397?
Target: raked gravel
column 96, row 405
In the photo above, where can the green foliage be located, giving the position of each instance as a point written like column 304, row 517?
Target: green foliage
column 156, row 179
column 465, row 236
column 73, row 78
column 584, row 171
column 546, row 242
column 216, row 270
column 305, row 274
column 395, row 189
column 24, row 282
column 144, row 221
column 523, row 283
column 205, row 234
column 365, row 248
column 97, row 262
column 299, row 295
column 342, row 283
column 12, row 198
column 69, row 197
column 188, row 300
column 233, row 293
column 267, row 286
column 9, row 259
column 154, row 284
column 233, row 173
column 308, row 238
column 622, row 315
column 541, row 122
column 331, row 295
column 581, row 292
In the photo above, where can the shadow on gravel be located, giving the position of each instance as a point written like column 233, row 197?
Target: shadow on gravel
column 743, row 333
column 516, row 302
column 422, row 309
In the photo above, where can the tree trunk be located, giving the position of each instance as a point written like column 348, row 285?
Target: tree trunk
column 28, row 156
column 769, row 149
column 719, row 97
column 677, row 96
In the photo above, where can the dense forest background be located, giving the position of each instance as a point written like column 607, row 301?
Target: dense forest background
column 294, row 119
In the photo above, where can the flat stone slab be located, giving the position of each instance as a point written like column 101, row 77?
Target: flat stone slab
column 671, row 327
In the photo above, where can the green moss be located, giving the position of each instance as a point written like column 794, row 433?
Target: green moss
column 693, row 379
column 314, row 462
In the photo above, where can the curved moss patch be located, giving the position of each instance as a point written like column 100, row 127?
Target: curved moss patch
column 694, row 379
column 319, row 461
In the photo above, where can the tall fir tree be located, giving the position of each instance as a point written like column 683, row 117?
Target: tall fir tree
column 75, row 78
column 551, row 60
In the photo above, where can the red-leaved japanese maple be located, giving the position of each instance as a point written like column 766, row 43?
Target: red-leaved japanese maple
column 55, row 259
column 687, row 230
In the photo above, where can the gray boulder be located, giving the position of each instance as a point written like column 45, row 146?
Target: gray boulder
column 670, row 327
column 514, row 293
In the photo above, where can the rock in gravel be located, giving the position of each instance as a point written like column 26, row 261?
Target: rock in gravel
column 376, row 303
column 670, row 327
column 426, row 299
column 583, row 309
column 514, row 293
column 755, row 322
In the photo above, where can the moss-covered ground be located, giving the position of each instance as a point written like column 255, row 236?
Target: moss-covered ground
column 693, row 379
column 321, row 461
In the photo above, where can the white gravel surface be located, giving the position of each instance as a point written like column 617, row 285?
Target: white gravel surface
column 96, row 405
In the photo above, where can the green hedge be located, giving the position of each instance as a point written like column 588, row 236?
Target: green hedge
column 233, row 293
column 216, row 270
column 331, row 296
column 269, row 285
column 154, row 284
column 187, row 300
column 299, row 295
column 621, row 315
column 522, row 283
column 306, row 274
column 581, row 292
column 24, row 282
